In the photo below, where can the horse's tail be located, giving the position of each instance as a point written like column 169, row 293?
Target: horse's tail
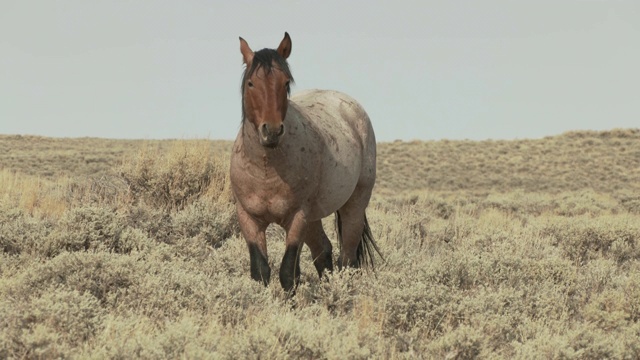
column 367, row 245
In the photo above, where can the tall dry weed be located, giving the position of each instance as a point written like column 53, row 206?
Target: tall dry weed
column 37, row 196
column 174, row 179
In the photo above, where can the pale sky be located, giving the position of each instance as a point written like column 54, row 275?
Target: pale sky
column 422, row 69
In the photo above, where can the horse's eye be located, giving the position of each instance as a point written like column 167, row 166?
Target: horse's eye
column 286, row 85
column 250, row 83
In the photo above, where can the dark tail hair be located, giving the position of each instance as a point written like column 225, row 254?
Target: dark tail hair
column 366, row 246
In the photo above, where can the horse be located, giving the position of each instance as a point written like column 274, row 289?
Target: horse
column 296, row 160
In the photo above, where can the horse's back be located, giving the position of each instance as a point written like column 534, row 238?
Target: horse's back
column 337, row 105
column 337, row 114
column 344, row 126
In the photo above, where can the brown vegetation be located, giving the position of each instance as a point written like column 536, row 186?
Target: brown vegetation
column 494, row 249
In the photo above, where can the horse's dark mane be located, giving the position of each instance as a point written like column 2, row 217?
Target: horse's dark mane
column 267, row 59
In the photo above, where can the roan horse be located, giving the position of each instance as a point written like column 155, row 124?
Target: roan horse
column 297, row 161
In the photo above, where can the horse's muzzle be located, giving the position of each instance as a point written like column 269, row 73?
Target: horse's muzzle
column 269, row 136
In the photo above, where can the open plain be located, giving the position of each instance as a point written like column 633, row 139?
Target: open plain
column 493, row 249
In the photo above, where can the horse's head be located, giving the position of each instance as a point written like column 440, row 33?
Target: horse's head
column 265, row 90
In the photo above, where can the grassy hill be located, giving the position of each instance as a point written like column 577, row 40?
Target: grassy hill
column 55, row 157
column 493, row 249
column 603, row 161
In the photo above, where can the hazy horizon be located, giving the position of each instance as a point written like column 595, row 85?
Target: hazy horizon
column 422, row 70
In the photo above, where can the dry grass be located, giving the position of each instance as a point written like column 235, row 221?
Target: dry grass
column 602, row 161
column 494, row 249
column 54, row 157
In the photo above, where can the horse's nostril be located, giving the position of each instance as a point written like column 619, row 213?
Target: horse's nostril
column 281, row 130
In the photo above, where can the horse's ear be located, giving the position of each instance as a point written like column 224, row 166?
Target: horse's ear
column 247, row 53
column 285, row 46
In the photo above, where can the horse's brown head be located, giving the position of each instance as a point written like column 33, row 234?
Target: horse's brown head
column 265, row 90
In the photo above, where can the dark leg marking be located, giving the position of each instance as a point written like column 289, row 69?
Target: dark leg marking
column 290, row 268
column 260, row 270
column 324, row 262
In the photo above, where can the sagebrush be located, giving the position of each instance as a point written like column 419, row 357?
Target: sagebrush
column 494, row 249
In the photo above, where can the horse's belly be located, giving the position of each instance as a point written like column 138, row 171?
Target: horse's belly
column 335, row 187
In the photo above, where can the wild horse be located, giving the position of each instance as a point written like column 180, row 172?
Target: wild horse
column 296, row 161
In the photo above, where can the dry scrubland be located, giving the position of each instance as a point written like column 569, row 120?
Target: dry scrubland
column 494, row 249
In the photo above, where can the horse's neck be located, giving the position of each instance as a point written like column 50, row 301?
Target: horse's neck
column 294, row 151
column 250, row 140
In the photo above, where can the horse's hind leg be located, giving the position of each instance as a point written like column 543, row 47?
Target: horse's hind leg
column 321, row 249
column 351, row 227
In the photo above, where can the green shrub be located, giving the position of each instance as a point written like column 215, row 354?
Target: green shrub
column 20, row 232
column 210, row 221
column 583, row 239
column 50, row 325
column 89, row 228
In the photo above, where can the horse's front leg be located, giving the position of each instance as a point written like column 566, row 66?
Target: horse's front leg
column 254, row 234
column 290, row 267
